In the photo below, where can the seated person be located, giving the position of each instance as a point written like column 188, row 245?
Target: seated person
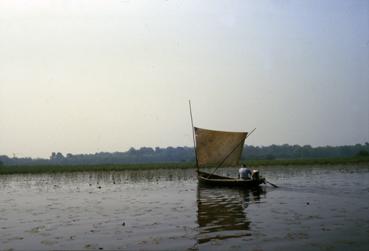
column 244, row 173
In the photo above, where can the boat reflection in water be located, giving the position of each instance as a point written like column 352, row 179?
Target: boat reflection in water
column 222, row 213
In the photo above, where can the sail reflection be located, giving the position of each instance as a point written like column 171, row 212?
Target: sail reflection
column 221, row 212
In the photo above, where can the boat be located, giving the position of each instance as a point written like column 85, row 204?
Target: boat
column 218, row 181
column 221, row 149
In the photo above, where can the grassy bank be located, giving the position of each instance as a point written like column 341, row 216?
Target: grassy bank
column 304, row 162
column 89, row 168
column 121, row 167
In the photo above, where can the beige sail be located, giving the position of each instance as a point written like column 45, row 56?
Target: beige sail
column 213, row 147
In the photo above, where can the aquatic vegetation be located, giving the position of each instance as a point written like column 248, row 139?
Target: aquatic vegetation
column 182, row 165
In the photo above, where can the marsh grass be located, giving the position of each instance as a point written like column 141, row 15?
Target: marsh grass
column 89, row 168
column 304, row 162
column 151, row 166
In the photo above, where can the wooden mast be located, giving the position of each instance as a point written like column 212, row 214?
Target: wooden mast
column 193, row 137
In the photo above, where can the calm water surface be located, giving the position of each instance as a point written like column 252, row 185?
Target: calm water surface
column 315, row 208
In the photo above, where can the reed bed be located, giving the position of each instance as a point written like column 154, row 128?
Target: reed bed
column 151, row 166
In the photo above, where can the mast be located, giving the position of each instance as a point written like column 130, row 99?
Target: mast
column 193, row 136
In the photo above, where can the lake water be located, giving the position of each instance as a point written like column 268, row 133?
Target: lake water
column 315, row 208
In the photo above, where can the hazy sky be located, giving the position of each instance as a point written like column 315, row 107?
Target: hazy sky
column 90, row 76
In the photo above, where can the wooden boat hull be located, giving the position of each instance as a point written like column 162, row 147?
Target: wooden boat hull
column 217, row 180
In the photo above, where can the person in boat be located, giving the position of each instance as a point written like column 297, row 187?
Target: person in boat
column 244, row 173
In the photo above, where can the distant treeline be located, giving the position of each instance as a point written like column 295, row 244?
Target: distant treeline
column 186, row 154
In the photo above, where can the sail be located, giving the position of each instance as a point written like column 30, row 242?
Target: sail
column 214, row 147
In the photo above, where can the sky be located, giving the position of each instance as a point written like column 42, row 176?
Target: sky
column 103, row 76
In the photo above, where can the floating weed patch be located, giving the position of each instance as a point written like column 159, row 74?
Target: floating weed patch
column 36, row 230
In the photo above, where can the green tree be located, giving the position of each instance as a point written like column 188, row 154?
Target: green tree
column 362, row 153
